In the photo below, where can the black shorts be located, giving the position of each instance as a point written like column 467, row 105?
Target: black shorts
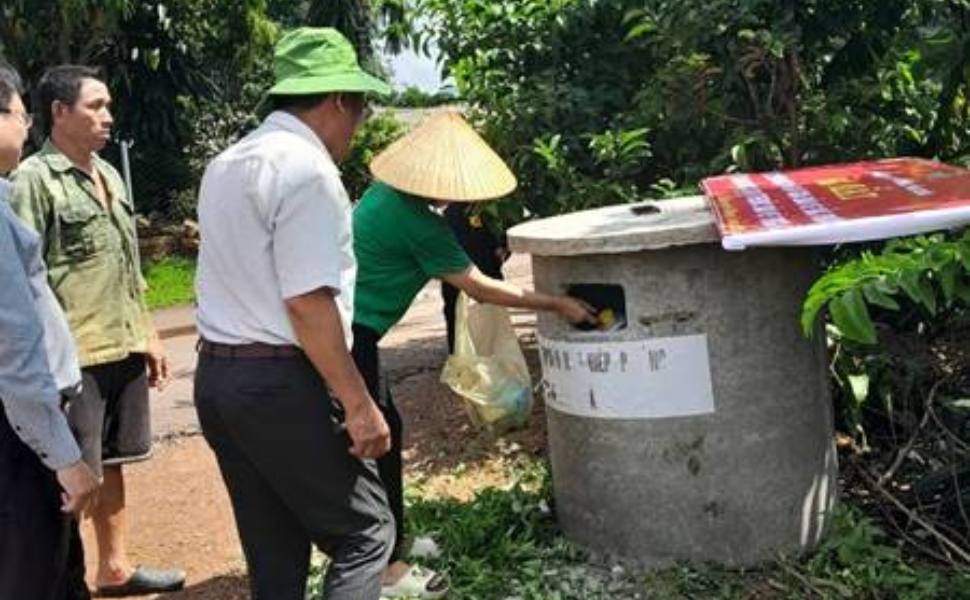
column 111, row 419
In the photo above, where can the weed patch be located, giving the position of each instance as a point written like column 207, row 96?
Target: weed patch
column 505, row 544
column 171, row 282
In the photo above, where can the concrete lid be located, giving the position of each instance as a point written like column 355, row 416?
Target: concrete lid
column 647, row 225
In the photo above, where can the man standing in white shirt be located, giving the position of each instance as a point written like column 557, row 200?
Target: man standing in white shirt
column 275, row 296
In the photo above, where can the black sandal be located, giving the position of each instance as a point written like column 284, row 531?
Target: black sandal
column 145, row 581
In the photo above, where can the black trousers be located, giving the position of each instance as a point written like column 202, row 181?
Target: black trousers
column 38, row 543
column 291, row 478
column 391, row 465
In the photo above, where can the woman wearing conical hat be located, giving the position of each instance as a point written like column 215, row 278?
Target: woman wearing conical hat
column 401, row 243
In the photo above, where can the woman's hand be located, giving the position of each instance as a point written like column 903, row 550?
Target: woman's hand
column 575, row 310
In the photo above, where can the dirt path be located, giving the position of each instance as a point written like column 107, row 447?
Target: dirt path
column 180, row 514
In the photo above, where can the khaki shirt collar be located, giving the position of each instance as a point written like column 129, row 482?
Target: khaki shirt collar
column 54, row 158
column 58, row 161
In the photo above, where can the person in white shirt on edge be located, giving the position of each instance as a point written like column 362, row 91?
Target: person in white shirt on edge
column 275, row 294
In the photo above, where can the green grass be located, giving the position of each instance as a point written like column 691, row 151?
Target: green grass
column 170, row 282
column 505, row 545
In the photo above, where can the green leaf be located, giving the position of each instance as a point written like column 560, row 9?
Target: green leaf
column 963, row 249
column 777, row 48
column 739, row 155
column 633, row 15
column 153, row 59
column 959, row 404
column 810, row 310
column 918, row 289
column 850, row 315
column 876, row 294
column 948, row 276
column 633, row 137
column 962, row 291
column 859, row 384
column 640, row 30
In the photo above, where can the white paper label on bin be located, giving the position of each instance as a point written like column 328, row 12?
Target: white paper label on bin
column 643, row 379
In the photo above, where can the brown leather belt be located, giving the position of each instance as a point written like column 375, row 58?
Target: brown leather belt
column 255, row 350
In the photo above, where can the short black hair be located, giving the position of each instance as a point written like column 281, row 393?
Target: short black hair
column 62, row 84
column 10, row 84
column 303, row 102
column 299, row 103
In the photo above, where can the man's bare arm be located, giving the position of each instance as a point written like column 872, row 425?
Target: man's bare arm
column 316, row 321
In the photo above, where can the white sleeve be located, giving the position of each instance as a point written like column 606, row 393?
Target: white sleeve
column 311, row 231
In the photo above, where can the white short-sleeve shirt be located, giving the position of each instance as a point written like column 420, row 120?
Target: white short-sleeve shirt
column 275, row 223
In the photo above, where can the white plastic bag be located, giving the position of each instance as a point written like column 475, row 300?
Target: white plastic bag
column 488, row 369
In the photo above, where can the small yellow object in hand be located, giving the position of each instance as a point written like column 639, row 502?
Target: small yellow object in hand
column 606, row 318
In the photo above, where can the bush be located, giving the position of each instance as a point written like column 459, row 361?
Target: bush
column 413, row 97
column 376, row 134
column 900, row 318
column 217, row 126
column 505, row 543
column 857, row 561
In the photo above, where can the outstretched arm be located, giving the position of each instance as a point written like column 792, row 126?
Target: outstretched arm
column 483, row 288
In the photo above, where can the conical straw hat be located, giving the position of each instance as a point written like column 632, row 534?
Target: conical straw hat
column 444, row 159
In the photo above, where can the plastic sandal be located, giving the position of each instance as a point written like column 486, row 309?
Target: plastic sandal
column 417, row 583
column 145, row 581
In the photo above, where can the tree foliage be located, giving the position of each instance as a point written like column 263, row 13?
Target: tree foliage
column 595, row 102
column 159, row 58
column 364, row 22
column 153, row 54
column 185, row 74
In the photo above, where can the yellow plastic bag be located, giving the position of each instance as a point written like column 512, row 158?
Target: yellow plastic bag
column 488, row 369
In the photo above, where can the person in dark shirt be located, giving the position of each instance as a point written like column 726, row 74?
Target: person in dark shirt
column 485, row 249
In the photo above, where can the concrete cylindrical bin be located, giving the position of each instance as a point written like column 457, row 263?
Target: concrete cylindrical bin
column 699, row 425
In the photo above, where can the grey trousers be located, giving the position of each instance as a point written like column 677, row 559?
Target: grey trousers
column 291, row 479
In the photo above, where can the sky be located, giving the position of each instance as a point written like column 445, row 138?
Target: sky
column 411, row 69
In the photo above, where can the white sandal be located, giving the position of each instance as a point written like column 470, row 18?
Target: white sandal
column 417, row 583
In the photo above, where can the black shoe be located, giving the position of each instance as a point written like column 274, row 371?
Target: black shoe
column 145, row 581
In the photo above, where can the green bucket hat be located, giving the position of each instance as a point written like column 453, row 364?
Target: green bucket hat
column 318, row 60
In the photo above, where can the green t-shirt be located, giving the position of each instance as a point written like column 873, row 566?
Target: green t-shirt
column 400, row 244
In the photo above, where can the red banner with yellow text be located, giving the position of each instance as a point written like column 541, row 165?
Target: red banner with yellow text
column 839, row 203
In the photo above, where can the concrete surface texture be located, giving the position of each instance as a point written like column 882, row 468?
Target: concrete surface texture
column 753, row 476
column 652, row 224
